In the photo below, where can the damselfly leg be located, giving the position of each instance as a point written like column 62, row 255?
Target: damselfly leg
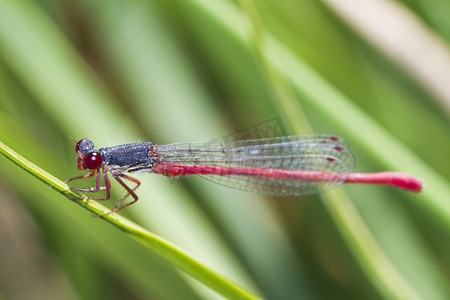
column 130, row 191
column 97, row 187
column 107, row 187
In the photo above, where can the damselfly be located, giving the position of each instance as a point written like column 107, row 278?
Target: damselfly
column 281, row 166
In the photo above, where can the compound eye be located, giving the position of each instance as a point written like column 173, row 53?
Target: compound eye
column 77, row 147
column 84, row 146
column 93, row 160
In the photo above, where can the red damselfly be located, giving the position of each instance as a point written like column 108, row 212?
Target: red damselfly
column 282, row 166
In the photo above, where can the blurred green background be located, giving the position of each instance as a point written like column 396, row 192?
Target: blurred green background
column 376, row 73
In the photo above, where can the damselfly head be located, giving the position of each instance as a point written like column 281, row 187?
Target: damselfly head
column 84, row 145
column 88, row 157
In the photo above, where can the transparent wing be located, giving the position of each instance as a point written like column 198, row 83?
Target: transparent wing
column 324, row 153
